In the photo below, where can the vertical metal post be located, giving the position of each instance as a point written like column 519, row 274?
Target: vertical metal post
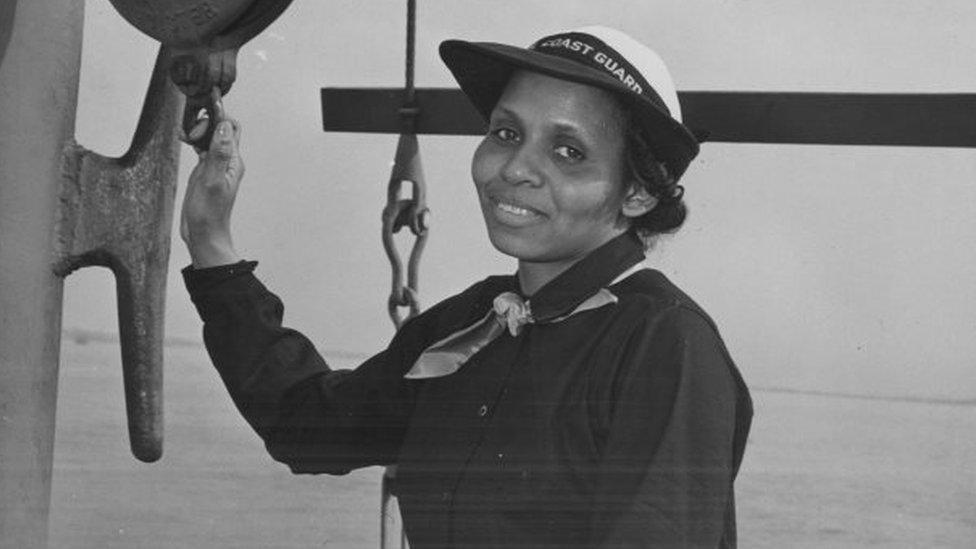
column 63, row 207
column 38, row 97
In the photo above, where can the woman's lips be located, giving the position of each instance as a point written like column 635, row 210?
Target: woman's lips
column 513, row 209
column 513, row 212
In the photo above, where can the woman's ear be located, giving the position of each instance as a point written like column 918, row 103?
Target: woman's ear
column 637, row 202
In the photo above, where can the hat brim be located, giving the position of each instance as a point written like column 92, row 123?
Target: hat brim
column 483, row 69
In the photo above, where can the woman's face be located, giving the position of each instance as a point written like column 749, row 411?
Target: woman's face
column 549, row 174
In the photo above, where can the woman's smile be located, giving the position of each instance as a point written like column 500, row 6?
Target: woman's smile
column 550, row 172
column 514, row 212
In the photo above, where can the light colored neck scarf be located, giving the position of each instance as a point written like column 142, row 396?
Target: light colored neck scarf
column 510, row 311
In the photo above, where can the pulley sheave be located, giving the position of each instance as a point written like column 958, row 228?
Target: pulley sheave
column 189, row 24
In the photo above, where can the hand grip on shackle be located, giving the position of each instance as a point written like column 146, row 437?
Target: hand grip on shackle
column 206, row 34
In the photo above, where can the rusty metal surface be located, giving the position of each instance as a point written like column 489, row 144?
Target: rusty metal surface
column 117, row 213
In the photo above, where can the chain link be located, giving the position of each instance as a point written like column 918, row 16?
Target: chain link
column 400, row 212
column 405, row 212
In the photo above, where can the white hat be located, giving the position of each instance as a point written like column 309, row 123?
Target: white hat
column 598, row 56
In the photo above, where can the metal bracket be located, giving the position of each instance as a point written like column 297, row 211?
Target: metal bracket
column 117, row 213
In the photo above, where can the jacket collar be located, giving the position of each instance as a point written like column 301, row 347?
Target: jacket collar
column 563, row 294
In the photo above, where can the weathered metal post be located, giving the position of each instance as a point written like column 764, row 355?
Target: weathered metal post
column 38, row 95
column 63, row 207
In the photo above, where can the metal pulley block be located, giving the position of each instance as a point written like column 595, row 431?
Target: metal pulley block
column 205, row 36
column 212, row 24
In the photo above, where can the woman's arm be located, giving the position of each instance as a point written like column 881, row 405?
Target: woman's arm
column 313, row 419
column 310, row 417
column 668, row 464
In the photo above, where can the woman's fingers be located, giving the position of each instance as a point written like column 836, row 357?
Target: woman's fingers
column 212, row 188
column 223, row 157
column 222, row 145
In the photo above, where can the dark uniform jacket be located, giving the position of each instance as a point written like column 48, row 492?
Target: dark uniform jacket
column 620, row 426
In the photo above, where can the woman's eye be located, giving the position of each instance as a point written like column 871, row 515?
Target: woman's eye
column 569, row 153
column 505, row 134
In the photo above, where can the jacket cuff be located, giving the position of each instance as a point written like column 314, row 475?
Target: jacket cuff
column 211, row 287
column 199, row 280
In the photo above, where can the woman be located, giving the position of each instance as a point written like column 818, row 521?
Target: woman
column 583, row 402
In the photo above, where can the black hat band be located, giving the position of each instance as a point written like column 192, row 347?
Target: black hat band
column 589, row 50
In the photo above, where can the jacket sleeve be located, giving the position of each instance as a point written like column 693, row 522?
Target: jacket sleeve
column 312, row 418
column 667, row 467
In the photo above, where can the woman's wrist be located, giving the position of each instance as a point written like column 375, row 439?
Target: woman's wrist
column 211, row 252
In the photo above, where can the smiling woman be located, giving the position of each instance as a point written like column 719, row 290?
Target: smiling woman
column 550, row 175
column 584, row 401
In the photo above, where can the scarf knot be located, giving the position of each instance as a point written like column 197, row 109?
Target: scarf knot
column 513, row 311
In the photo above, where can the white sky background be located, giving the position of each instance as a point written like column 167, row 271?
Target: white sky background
column 828, row 268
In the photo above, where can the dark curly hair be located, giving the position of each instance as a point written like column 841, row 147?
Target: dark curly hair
column 643, row 167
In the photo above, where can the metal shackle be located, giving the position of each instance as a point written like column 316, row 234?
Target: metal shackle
column 205, row 36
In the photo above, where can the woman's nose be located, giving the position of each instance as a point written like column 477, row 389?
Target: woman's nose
column 523, row 167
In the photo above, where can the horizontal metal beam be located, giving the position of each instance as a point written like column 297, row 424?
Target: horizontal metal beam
column 927, row 120
column 444, row 111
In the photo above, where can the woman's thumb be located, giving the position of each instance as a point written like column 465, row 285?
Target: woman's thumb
column 222, row 145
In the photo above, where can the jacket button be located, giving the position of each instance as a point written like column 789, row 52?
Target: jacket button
column 483, row 411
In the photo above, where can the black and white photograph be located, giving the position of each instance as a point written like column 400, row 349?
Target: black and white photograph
column 475, row 274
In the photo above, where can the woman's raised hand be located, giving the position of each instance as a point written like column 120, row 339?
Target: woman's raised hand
column 209, row 199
